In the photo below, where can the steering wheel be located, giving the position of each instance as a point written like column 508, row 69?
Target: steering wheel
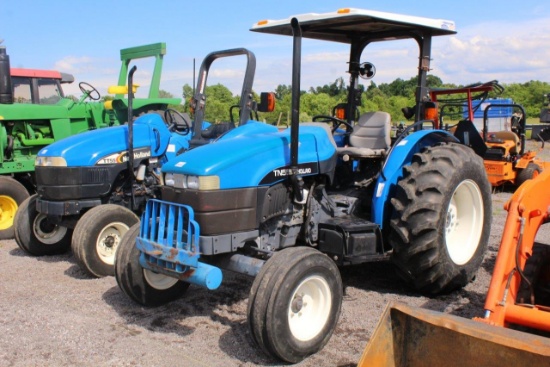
column 172, row 123
column 89, row 91
column 336, row 122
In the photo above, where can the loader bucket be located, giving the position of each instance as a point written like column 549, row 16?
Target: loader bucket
column 407, row 336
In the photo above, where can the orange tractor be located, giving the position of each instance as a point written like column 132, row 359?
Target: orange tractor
column 504, row 151
column 518, row 297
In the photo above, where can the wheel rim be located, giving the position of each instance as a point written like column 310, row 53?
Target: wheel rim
column 464, row 222
column 8, row 207
column 47, row 232
column 309, row 308
column 158, row 281
column 108, row 241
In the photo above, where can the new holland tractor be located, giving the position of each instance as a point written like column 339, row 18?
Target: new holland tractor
column 34, row 113
column 91, row 187
column 290, row 207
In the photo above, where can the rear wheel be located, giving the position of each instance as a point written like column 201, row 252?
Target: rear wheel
column 97, row 236
column 36, row 234
column 295, row 303
column 12, row 194
column 531, row 171
column 441, row 218
column 142, row 285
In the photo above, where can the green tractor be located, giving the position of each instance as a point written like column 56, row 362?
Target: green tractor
column 34, row 112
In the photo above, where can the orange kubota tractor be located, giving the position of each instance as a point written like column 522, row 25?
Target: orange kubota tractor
column 518, row 296
column 504, row 152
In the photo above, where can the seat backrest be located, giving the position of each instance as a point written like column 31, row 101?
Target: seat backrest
column 372, row 131
column 507, row 135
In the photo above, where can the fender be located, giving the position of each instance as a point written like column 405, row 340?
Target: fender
column 400, row 156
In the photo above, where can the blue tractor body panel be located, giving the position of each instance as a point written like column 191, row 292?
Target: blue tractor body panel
column 256, row 154
column 90, row 148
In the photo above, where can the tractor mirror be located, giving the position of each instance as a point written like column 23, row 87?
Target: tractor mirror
column 267, row 102
column 430, row 112
column 340, row 113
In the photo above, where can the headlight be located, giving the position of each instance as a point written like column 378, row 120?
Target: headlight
column 180, row 181
column 169, row 179
column 193, row 182
column 50, row 162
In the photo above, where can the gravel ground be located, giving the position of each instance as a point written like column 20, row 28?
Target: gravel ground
column 53, row 314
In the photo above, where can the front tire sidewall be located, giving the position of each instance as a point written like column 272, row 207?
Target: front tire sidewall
column 130, row 276
column 99, row 228
column 287, row 341
column 30, row 232
column 271, row 300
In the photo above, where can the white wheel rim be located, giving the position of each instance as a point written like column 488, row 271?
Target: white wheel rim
column 108, row 240
column 309, row 308
column 47, row 233
column 158, row 281
column 464, row 222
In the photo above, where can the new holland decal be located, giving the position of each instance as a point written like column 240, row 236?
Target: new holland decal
column 122, row 157
column 283, row 172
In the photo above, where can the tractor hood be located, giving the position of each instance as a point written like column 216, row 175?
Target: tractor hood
column 110, row 145
column 256, row 154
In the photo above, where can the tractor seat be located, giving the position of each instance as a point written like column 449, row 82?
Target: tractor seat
column 370, row 137
column 502, row 136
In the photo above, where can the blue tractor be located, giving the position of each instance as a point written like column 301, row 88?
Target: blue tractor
column 92, row 187
column 291, row 207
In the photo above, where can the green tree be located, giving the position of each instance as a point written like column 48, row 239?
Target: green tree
column 165, row 94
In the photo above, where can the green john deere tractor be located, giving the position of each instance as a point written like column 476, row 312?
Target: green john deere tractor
column 34, row 113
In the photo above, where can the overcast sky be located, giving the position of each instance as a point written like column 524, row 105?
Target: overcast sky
column 504, row 40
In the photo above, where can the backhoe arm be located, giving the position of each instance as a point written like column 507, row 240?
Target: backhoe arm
column 527, row 210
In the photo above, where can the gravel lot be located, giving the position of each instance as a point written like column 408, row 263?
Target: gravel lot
column 53, row 314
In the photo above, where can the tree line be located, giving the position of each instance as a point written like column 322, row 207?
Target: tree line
column 389, row 97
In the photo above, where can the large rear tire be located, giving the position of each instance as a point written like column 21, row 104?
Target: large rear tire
column 97, row 236
column 142, row 285
column 441, row 218
column 12, row 194
column 36, row 234
column 295, row 303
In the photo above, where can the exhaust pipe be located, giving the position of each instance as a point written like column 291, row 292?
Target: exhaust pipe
column 414, row 337
column 6, row 94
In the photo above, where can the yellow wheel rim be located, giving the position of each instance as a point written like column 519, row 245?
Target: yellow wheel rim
column 8, row 207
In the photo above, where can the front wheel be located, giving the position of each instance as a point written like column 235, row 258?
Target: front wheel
column 528, row 173
column 142, row 285
column 97, row 236
column 441, row 218
column 295, row 303
column 12, row 194
column 36, row 234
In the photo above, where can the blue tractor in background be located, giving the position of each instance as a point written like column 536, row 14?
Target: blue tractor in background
column 91, row 187
column 291, row 207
